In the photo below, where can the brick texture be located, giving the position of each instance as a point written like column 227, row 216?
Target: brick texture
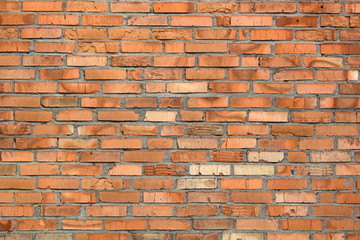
column 176, row 120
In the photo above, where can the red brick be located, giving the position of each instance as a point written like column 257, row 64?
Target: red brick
column 81, row 6
column 333, row 211
column 8, row 33
column 203, row 74
column 167, row 7
column 335, row 21
column 106, row 211
column 302, row 224
column 257, row 224
column 169, row 224
column 318, row 7
column 275, row 7
column 151, row 211
column 53, row 156
column 129, row 34
column 45, row 19
column 100, row 156
column 7, row 46
column 84, row 33
column 81, row 224
column 251, row 21
column 79, row 87
column 217, row 7
column 40, row 33
column 17, row 74
column 36, row 225
column 251, row 197
column 74, row 115
column 32, row 197
column 39, row 169
column 119, row 197
column 164, row 197
column 43, row 6
column 218, row 61
column 174, row 61
column 168, row 34
column 188, row 156
column 58, row 74
column 137, row 7
column 118, row 116
column 249, row 75
column 147, row 21
column 295, row 48
column 331, row 184
column 14, row 19
column 225, row 87
column 205, row 47
column 35, row 87
column 77, row 197
column 102, row 20
column 270, row 34
column 215, row 34
column 342, row 224
column 9, row 6
column 59, row 211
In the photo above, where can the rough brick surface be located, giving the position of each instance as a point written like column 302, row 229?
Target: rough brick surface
column 177, row 120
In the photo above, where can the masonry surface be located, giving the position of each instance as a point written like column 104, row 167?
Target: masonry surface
column 200, row 120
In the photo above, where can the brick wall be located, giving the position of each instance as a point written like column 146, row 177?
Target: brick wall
column 195, row 120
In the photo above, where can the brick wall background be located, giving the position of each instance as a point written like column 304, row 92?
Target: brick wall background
column 195, row 120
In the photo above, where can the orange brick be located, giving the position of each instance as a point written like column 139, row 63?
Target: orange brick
column 218, row 61
column 129, row 34
column 251, row 21
column 39, row 169
column 45, row 19
column 36, row 225
column 106, row 211
column 215, row 34
column 102, row 20
column 8, row 33
column 226, row 87
column 77, row 197
column 118, row 116
column 302, row 224
column 100, row 157
column 174, row 61
column 252, row 197
column 275, row 7
column 119, row 197
column 169, row 224
column 331, row 184
column 51, row 74
column 203, row 74
column 59, row 211
column 130, row 7
column 167, row 7
column 43, row 6
column 257, row 224
column 84, row 33
column 81, row 224
column 115, row 143
column 168, row 34
column 14, row 19
column 40, row 33
column 9, row 6
column 270, row 35
column 9, row 60
column 318, row 7
column 58, row 183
